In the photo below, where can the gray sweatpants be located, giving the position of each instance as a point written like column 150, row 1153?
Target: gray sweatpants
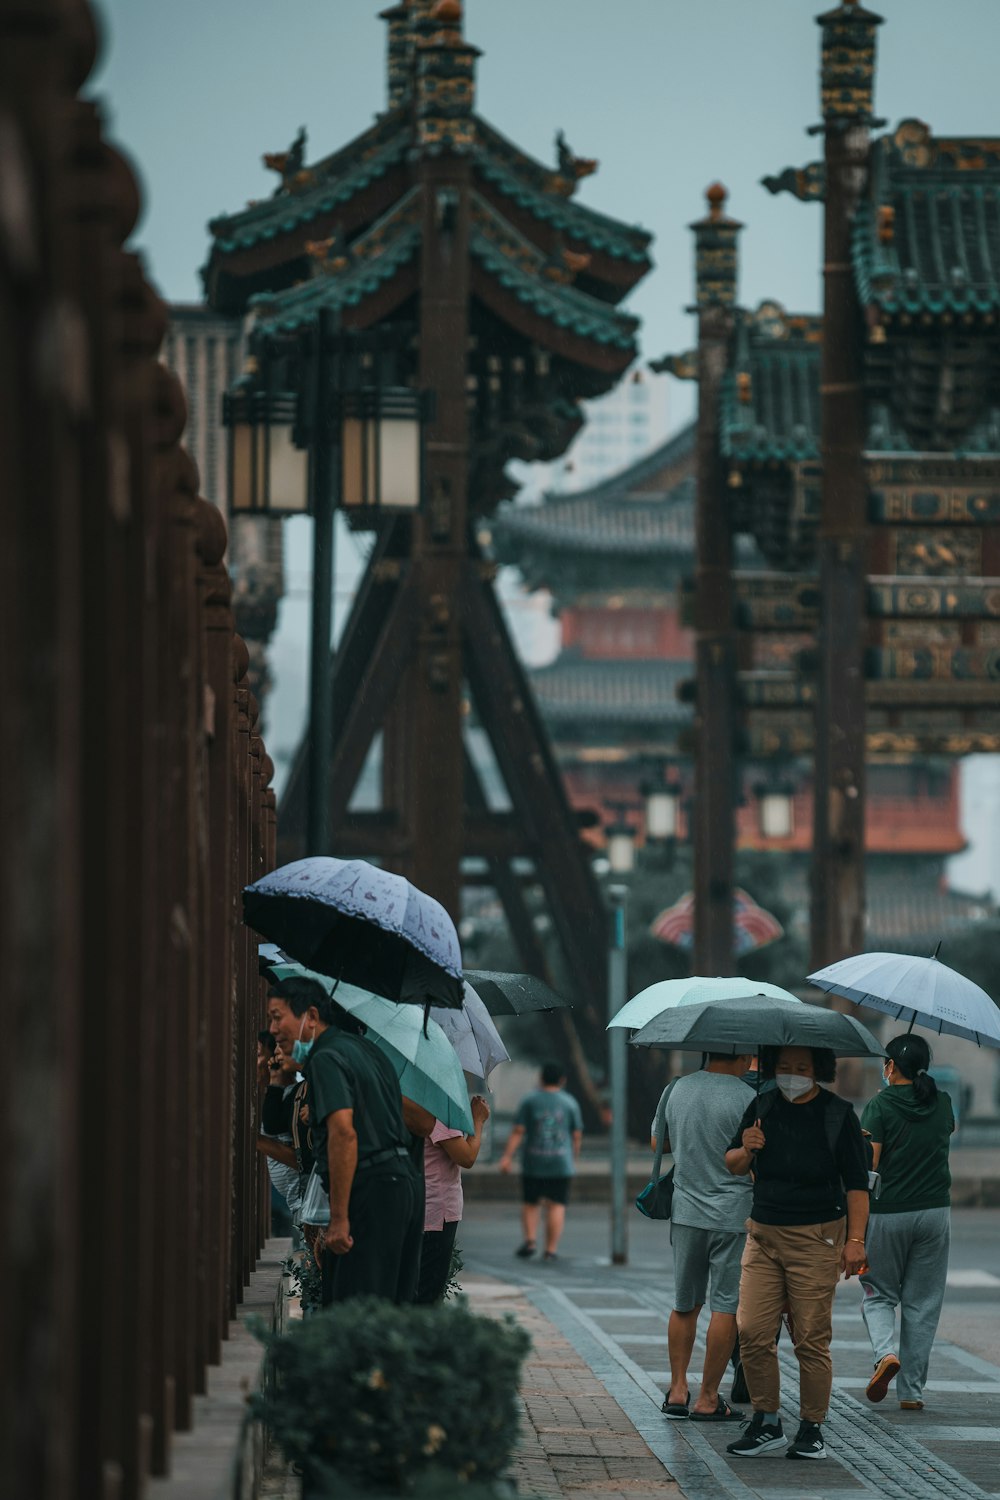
column 908, row 1260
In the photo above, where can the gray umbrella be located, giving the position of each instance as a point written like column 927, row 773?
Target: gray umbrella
column 735, row 1026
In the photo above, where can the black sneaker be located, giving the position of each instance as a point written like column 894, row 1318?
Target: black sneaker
column 808, row 1442
column 759, row 1437
column 526, row 1251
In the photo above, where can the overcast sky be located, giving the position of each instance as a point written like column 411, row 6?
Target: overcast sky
column 669, row 95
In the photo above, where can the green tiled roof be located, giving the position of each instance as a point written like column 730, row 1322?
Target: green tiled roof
column 770, row 394
column 519, row 267
column 284, row 213
column 374, row 259
column 527, row 190
column 927, row 238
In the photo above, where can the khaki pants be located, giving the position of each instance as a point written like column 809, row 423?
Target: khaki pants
column 798, row 1264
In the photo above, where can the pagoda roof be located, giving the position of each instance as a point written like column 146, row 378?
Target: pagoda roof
column 927, row 237
column 615, row 693
column 522, row 269
column 542, row 192
column 326, row 186
column 770, row 402
column 770, row 393
column 352, row 277
column 355, row 273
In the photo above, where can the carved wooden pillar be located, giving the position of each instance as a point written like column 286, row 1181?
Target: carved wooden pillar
column 838, row 869
column 715, row 634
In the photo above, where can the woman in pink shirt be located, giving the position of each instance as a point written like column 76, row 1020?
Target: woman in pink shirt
column 446, row 1152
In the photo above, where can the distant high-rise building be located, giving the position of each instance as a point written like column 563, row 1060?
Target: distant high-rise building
column 204, row 351
column 621, row 427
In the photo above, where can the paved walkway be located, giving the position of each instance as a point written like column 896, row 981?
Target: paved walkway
column 593, row 1389
column 575, row 1437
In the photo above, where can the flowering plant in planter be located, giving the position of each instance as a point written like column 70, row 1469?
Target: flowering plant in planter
column 376, row 1397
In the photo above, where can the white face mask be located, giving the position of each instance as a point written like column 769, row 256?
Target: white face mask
column 793, row 1085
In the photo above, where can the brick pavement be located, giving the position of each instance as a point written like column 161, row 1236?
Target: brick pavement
column 575, row 1438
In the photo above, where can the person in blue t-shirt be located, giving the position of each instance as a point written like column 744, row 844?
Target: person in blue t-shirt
column 550, row 1126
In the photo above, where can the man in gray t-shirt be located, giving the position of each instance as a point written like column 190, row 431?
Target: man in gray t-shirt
column 707, row 1217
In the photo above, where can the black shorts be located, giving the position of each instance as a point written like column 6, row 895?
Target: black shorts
column 555, row 1189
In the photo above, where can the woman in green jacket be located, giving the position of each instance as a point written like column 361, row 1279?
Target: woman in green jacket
column 909, row 1230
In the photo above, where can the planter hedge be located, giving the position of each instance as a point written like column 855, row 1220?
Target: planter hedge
column 376, row 1397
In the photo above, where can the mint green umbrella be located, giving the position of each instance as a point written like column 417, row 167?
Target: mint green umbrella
column 424, row 1060
column 669, row 994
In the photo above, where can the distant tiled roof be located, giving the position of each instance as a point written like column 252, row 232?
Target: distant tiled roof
column 581, row 523
column 927, row 238
column 619, row 693
column 900, row 911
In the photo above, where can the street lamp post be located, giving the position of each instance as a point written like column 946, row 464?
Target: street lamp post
column 618, row 1070
column 348, row 439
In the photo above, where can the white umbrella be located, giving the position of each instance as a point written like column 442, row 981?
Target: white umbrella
column 473, row 1035
column 697, row 990
column 920, row 991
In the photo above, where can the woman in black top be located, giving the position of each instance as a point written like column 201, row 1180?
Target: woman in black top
column 807, row 1225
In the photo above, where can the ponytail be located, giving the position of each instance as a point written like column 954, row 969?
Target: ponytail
column 912, row 1057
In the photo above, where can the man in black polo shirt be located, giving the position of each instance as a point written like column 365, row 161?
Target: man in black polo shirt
column 361, row 1148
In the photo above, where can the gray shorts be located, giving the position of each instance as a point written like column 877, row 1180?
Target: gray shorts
column 701, row 1255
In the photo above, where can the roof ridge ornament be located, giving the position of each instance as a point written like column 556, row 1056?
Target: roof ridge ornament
column 571, row 168
column 716, row 262
column 290, row 165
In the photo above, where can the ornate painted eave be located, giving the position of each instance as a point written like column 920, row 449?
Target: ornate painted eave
column 927, row 241
column 351, row 277
column 519, row 268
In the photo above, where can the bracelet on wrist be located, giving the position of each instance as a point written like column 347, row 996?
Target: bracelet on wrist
column 854, row 1240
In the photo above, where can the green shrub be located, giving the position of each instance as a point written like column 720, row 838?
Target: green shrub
column 372, row 1395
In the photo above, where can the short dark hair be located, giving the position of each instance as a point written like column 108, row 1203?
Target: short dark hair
column 726, row 1056
column 552, row 1073
column 299, row 994
column 824, row 1062
column 267, row 1040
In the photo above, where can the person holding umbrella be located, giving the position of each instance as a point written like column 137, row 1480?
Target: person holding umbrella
column 360, row 1143
column 807, row 1225
column 910, row 1123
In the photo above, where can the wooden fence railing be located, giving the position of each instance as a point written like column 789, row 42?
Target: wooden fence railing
column 134, row 804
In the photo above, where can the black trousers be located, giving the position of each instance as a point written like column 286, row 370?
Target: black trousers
column 435, row 1261
column 386, row 1213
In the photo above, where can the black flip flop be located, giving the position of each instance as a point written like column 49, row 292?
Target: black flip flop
column 677, row 1411
column 722, row 1413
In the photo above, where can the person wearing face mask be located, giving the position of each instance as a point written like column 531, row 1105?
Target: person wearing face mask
column 911, row 1123
column 807, row 1226
column 360, row 1144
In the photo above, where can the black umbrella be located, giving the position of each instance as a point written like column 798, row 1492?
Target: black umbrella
column 513, row 994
